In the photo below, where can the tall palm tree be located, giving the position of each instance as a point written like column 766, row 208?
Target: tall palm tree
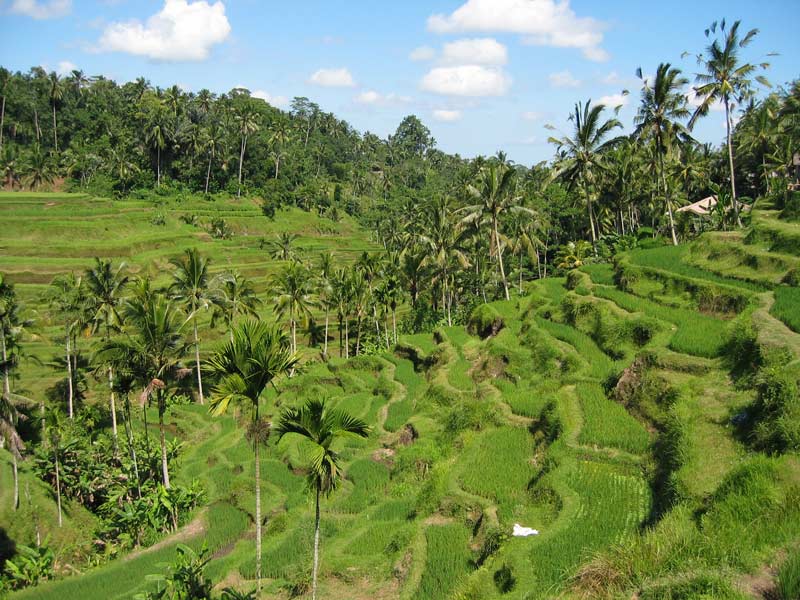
column 239, row 299
column 583, row 152
column 106, row 285
column 662, row 107
column 320, row 427
column 727, row 79
column 215, row 145
column 247, row 122
column 152, row 346
column 195, row 289
column 280, row 134
column 292, row 293
column 257, row 356
column 67, row 300
column 5, row 78
column 158, row 135
column 495, row 193
column 56, row 94
column 325, row 291
column 760, row 133
column 341, row 298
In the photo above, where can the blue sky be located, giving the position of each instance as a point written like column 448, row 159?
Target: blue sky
column 484, row 75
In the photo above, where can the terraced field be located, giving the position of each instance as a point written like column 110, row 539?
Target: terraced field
column 603, row 414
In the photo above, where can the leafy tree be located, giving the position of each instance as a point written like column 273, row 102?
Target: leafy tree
column 247, row 124
column 257, row 356
column 239, row 299
column 292, row 293
column 321, row 428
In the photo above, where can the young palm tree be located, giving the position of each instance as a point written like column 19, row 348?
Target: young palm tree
column 725, row 78
column 195, row 290
column 152, row 347
column 247, row 121
column 282, row 247
column 662, row 108
column 257, row 356
column 291, row 288
column 583, row 152
column 321, row 428
column 38, row 168
column 239, row 298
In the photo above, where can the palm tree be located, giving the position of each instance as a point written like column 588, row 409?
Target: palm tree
column 247, row 121
column 320, row 428
column 67, row 300
column 56, row 94
column 193, row 287
column 152, row 347
column 105, row 287
column 280, row 135
column 38, row 168
column 239, row 299
column 214, row 144
column 157, row 135
column 282, row 247
column 726, row 79
column 325, row 291
column 5, row 78
column 583, row 152
column 341, row 299
column 291, row 288
column 495, row 192
column 256, row 357
column 760, row 133
column 663, row 105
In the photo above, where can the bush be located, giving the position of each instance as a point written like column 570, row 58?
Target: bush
column 775, row 414
column 485, row 321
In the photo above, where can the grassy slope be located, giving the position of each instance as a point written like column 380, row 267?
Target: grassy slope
column 408, row 519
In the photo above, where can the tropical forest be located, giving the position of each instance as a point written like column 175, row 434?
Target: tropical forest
column 252, row 350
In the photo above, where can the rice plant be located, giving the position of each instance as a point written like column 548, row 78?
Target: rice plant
column 607, row 423
column 446, row 561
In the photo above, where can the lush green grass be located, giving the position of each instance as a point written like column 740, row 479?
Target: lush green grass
column 446, row 562
column 789, row 577
column 607, row 423
column 602, row 273
column 787, row 307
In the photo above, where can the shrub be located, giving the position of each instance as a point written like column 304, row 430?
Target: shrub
column 485, row 321
column 775, row 414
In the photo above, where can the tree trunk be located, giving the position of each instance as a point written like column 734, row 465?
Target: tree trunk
column 241, row 159
column 113, row 403
column 36, row 124
column 15, row 471
column 55, row 129
column 347, row 338
column 341, row 331
column 500, row 258
column 394, row 324
column 70, row 389
column 293, row 327
column 6, row 374
column 197, row 363
column 58, row 485
column 358, row 335
column 158, row 166
column 208, row 171
column 666, row 199
column 325, row 350
column 730, row 162
column 164, row 467
column 520, row 272
column 256, row 451
column 131, row 448
column 277, row 165
column 315, row 568
column 2, row 119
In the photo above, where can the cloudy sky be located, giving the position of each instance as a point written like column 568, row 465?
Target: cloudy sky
column 484, row 75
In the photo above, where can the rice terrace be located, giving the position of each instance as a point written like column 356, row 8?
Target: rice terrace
column 279, row 320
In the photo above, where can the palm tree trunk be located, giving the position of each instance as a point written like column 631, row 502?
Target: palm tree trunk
column 666, row 199
column 2, row 118
column 131, row 448
column 315, row 568
column 164, row 467
column 241, row 159
column 500, row 258
column 358, row 336
column 197, row 363
column 15, row 471
column 58, row 484
column 394, row 324
column 158, row 166
column 277, row 165
column 257, row 453
column 113, row 403
column 347, row 338
column 70, row 390
column 55, row 129
column 730, row 162
column 6, row 376
column 325, row 350
column 208, row 172
column 520, row 272
column 36, row 124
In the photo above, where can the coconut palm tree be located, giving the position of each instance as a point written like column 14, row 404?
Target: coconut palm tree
column 727, row 79
column 152, row 346
column 5, row 78
column 258, row 355
column 291, row 289
column 67, row 300
column 214, row 145
column 325, row 291
column 194, row 289
column 247, row 123
column 106, row 285
column 280, row 135
column 320, row 427
column 760, row 132
column 239, row 298
column 663, row 106
column 282, row 247
column 56, row 94
column 38, row 168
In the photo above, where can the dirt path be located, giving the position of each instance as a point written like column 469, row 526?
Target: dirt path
column 192, row 529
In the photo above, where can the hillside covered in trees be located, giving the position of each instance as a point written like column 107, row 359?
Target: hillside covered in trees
column 255, row 353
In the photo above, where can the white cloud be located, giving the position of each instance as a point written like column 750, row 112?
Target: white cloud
column 612, row 78
column 332, row 78
column 181, row 31
column 466, row 80
column 478, row 51
column 695, row 100
column 41, row 10
column 66, row 67
column 447, row 116
column 563, row 79
column 270, row 99
column 530, row 141
column 542, row 22
column 422, row 53
column 532, row 115
column 614, row 100
column 371, row 97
